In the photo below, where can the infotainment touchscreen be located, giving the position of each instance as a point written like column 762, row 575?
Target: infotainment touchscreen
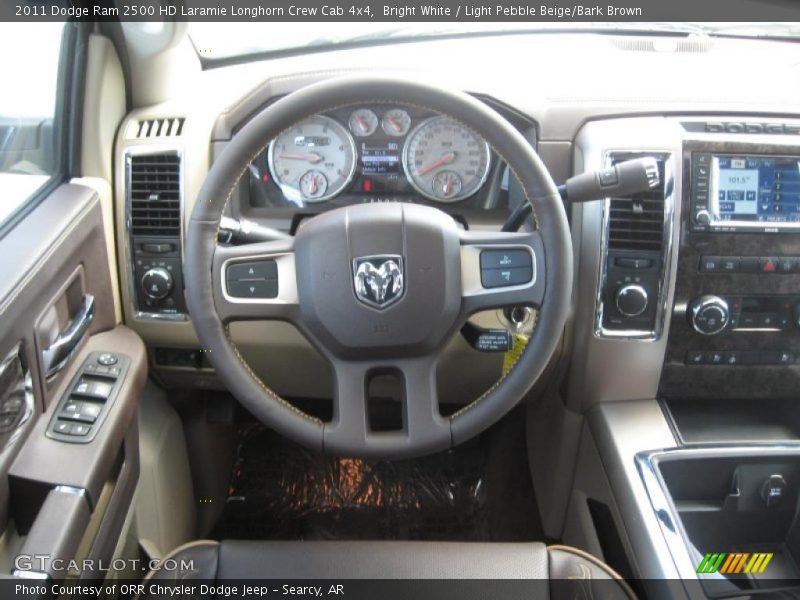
column 755, row 190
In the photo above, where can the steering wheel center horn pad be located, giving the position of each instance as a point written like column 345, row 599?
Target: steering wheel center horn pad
column 379, row 287
column 410, row 247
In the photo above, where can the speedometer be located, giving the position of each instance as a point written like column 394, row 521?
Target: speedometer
column 313, row 161
column 445, row 161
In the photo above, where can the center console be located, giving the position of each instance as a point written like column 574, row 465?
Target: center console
column 692, row 410
column 735, row 330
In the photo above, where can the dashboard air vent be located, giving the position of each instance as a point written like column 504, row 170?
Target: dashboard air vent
column 637, row 223
column 158, row 128
column 154, row 192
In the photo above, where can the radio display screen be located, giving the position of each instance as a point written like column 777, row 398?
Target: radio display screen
column 755, row 190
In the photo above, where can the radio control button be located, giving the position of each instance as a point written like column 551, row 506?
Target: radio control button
column 703, row 217
column 729, row 264
column 749, row 264
column 709, row 264
column 787, row 265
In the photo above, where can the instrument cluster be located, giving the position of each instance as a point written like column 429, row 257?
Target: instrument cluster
column 371, row 153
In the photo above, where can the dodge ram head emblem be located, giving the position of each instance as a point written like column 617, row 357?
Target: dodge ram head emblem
column 378, row 279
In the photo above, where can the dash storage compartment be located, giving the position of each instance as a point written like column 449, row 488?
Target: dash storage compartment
column 739, row 515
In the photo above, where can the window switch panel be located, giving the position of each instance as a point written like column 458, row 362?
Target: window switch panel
column 80, row 413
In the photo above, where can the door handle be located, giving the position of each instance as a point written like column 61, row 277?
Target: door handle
column 55, row 357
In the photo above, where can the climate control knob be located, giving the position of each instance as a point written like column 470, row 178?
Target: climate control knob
column 157, row 283
column 709, row 314
column 631, row 300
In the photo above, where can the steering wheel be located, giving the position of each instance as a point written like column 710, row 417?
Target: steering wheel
column 379, row 288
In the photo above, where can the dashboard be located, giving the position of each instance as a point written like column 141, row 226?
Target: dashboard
column 725, row 228
column 376, row 153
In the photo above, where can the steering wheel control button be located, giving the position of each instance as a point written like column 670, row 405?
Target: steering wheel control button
column 257, row 279
column 505, row 259
column 267, row 269
column 494, row 278
column 107, row 359
column 774, row 491
column 505, row 268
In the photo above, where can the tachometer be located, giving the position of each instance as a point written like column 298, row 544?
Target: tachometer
column 313, row 161
column 445, row 161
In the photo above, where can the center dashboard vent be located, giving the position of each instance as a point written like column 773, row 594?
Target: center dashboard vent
column 154, row 190
column 637, row 223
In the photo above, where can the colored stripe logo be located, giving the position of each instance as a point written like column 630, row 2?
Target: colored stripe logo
column 734, row 562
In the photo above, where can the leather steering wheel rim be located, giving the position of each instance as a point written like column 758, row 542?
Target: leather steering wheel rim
column 204, row 264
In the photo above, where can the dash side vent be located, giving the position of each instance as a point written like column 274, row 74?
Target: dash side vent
column 155, row 194
column 158, row 128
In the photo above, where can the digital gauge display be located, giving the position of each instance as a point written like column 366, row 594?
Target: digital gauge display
column 381, row 159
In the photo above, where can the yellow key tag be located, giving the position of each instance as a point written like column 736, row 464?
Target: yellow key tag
column 518, row 344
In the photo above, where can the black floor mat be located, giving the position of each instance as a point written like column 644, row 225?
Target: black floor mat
column 478, row 492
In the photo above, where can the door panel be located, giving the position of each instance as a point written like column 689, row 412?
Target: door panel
column 54, row 260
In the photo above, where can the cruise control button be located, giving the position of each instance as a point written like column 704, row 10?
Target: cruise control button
column 505, row 259
column 253, row 289
column 493, row 278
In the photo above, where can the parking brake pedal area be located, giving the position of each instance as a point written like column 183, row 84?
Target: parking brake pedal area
column 81, row 412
